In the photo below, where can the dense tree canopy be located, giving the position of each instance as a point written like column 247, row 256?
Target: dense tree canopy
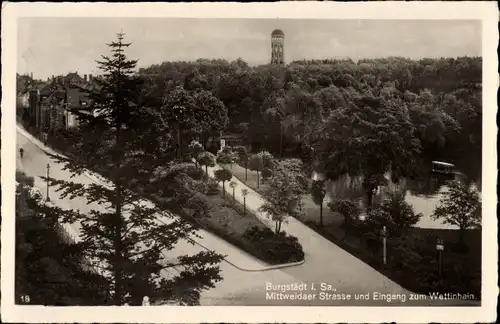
column 442, row 98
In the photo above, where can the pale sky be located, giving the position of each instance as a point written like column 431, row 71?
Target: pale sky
column 54, row 46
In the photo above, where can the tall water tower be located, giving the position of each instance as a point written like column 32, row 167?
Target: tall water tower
column 277, row 47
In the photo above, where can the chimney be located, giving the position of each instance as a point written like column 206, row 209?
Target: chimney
column 85, row 77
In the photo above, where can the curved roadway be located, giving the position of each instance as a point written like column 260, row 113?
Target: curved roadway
column 325, row 262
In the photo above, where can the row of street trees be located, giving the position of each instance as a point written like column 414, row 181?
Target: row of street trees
column 132, row 142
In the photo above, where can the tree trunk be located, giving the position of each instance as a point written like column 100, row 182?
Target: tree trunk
column 206, row 169
column 234, row 198
column 279, row 226
column 321, row 214
column 224, row 189
column 244, row 205
column 258, row 180
column 276, row 230
column 246, row 172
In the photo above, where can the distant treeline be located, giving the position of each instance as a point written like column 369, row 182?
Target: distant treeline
column 443, row 96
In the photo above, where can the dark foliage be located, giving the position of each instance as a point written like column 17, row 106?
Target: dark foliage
column 278, row 248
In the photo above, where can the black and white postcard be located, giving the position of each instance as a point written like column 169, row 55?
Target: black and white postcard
column 228, row 162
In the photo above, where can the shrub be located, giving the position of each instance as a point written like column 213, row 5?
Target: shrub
column 224, row 157
column 401, row 215
column 267, row 159
column 241, row 153
column 275, row 249
column 206, row 159
column 195, row 148
column 348, row 209
column 198, row 204
column 199, row 186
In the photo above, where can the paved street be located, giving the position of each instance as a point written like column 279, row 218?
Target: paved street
column 325, row 262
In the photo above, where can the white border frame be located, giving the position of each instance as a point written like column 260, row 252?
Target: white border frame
column 485, row 11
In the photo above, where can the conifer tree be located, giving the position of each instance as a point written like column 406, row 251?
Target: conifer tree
column 127, row 238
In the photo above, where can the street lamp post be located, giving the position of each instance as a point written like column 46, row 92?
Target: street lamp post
column 384, row 245
column 440, row 249
column 48, row 172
